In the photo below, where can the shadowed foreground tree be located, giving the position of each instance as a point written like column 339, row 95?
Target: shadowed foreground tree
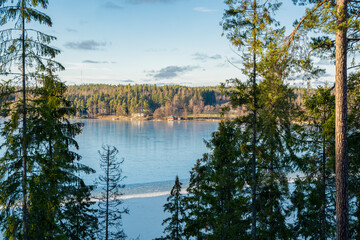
column 110, row 210
column 27, row 50
column 246, row 23
column 339, row 23
column 217, row 205
column 174, row 206
column 313, row 198
column 54, row 186
column 54, row 164
column 354, row 153
column 275, row 142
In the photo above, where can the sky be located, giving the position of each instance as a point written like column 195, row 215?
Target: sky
column 147, row 41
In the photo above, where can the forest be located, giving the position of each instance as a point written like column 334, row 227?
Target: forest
column 284, row 168
column 158, row 102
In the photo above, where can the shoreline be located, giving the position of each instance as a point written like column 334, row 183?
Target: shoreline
column 115, row 118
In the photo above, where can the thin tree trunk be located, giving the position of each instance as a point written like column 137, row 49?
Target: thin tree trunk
column 271, row 198
column 254, row 180
column 177, row 216
column 24, row 133
column 342, row 215
column 323, row 193
column 107, row 195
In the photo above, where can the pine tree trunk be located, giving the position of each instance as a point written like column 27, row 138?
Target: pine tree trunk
column 342, row 215
column 254, row 180
column 24, row 133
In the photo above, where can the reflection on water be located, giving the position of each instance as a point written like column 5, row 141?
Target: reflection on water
column 153, row 151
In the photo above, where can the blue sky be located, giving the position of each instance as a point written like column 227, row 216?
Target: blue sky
column 146, row 41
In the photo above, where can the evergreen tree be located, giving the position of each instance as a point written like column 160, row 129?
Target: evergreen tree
column 55, row 171
column 109, row 202
column 195, row 220
column 78, row 220
column 28, row 50
column 246, row 23
column 339, row 22
column 174, row 206
column 354, row 154
column 313, row 197
column 217, row 205
column 268, row 107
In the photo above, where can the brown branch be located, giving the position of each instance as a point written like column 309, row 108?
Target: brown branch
column 356, row 66
column 291, row 37
column 233, row 64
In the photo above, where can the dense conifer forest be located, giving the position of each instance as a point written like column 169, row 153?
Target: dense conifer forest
column 158, row 102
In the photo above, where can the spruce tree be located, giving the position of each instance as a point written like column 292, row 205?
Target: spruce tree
column 195, row 220
column 78, row 219
column 55, row 166
column 28, row 50
column 313, row 197
column 174, row 206
column 110, row 211
column 354, row 154
column 45, row 177
column 274, row 109
column 217, row 205
column 246, row 23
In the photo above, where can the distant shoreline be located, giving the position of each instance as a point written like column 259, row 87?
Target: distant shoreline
column 122, row 118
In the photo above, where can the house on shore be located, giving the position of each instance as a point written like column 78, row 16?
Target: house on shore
column 171, row 118
column 138, row 115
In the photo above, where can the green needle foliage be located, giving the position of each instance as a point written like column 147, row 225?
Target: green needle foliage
column 313, row 198
column 39, row 188
column 354, row 153
column 174, row 206
column 247, row 24
column 267, row 105
column 337, row 26
column 78, row 219
column 321, row 18
column 54, row 180
column 110, row 211
column 25, row 49
column 217, row 205
column 56, row 195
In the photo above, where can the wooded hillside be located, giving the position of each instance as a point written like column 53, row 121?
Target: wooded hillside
column 93, row 100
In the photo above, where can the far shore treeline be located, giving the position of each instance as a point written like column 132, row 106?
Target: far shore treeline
column 151, row 101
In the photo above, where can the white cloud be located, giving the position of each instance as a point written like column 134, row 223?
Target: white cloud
column 204, row 9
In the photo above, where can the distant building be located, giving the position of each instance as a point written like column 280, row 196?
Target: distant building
column 138, row 115
column 171, row 118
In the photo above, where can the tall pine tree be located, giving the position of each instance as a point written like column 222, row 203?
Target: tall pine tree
column 246, row 23
column 27, row 49
column 339, row 23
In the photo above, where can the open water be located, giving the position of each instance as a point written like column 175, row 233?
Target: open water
column 153, row 152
